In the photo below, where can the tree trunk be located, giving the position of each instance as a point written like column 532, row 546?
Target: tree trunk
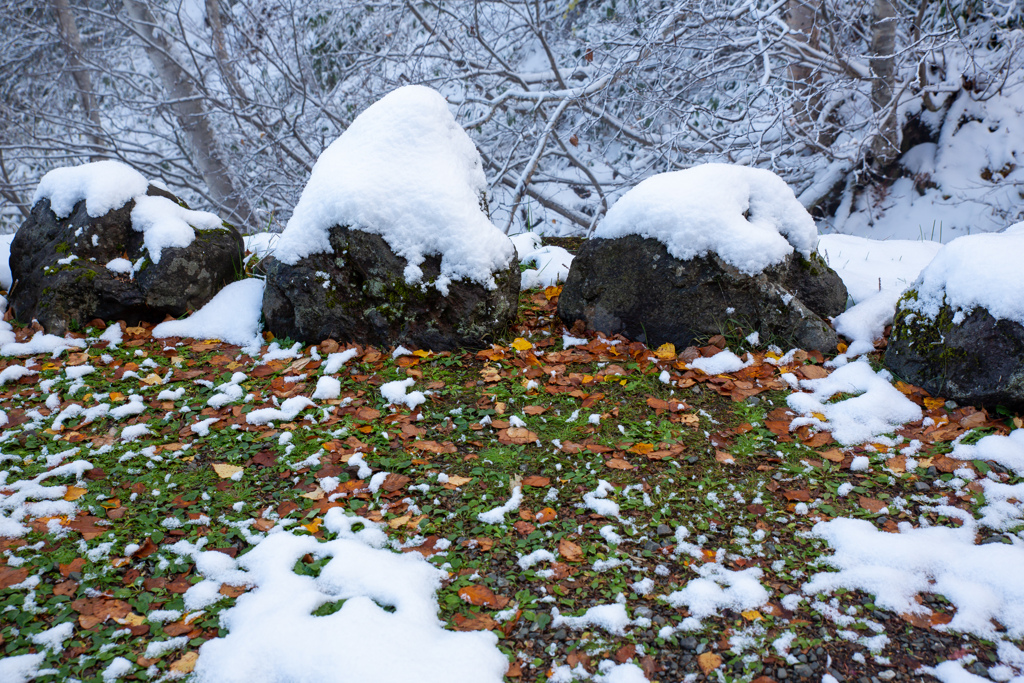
column 186, row 103
column 885, row 147
column 802, row 18
column 71, row 41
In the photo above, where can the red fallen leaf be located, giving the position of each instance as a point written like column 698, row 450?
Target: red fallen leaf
column 147, row 549
column 570, row 552
column 74, row 566
column 801, row 496
column 232, row 591
column 618, row 464
column 482, row 596
column 395, row 482
column 66, row 588
column 818, row 440
column 523, row 528
column 516, row 436
column 10, row 576
column 177, row 628
column 480, row 622
column 756, row 509
column 871, row 504
column 576, row 657
column 546, row 515
column 366, row 413
column 625, row 653
column 433, row 447
column 589, row 401
column 515, row 670
column 265, row 459
column 536, row 480
column 777, row 427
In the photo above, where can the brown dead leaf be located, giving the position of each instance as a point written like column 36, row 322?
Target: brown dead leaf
column 10, row 576
column 480, row 622
column 517, row 436
column 618, row 464
column 455, row 481
column 482, row 596
column 570, row 552
column 708, row 662
column 186, row 663
column 871, row 504
column 833, row 455
column 226, row 471
column 800, row 496
column 536, row 480
column 725, row 457
column 546, row 515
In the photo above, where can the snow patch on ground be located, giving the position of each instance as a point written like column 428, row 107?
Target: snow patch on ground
column 877, row 407
column 272, row 631
column 232, row 315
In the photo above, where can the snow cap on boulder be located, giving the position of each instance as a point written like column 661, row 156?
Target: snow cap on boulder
column 749, row 217
column 973, row 271
column 104, row 185
column 404, row 170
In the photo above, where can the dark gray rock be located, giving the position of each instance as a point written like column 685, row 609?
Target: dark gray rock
column 977, row 361
column 358, row 294
column 67, row 295
column 632, row 286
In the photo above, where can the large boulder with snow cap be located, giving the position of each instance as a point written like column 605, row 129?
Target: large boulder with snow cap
column 390, row 242
column 959, row 330
column 715, row 249
column 102, row 242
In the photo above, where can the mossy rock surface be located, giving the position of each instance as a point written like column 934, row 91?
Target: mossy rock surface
column 632, row 286
column 358, row 293
column 62, row 296
column 971, row 358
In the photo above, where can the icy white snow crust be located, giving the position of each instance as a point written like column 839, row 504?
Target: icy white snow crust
column 976, row 270
column 748, row 216
column 104, row 185
column 273, row 636
column 404, row 170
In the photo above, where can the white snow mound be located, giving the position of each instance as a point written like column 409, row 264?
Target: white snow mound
column 104, row 185
column 975, row 270
column 404, row 170
column 232, row 315
column 748, row 216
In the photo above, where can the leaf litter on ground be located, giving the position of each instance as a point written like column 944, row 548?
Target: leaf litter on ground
column 570, row 507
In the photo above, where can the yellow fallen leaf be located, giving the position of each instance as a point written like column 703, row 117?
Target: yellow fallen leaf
column 903, row 388
column 399, row 521
column 708, row 662
column 313, row 526
column 666, row 351
column 421, row 353
column 933, row 403
column 152, row 379
column 116, row 396
column 552, row 291
column 177, row 360
column 751, row 615
column 315, row 494
column 456, row 481
column 186, row 663
column 226, row 471
column 136, row 331
column 49, row 366
column 521, row 344
column 840, row 347
column 74, row 493
column 819, row 416
column 132, row 619
column 1018, row 422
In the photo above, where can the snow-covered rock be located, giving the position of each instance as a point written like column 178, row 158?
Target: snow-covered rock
column 390, row 242
column 959, row 330
column 101, row 242
column 694, row 253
